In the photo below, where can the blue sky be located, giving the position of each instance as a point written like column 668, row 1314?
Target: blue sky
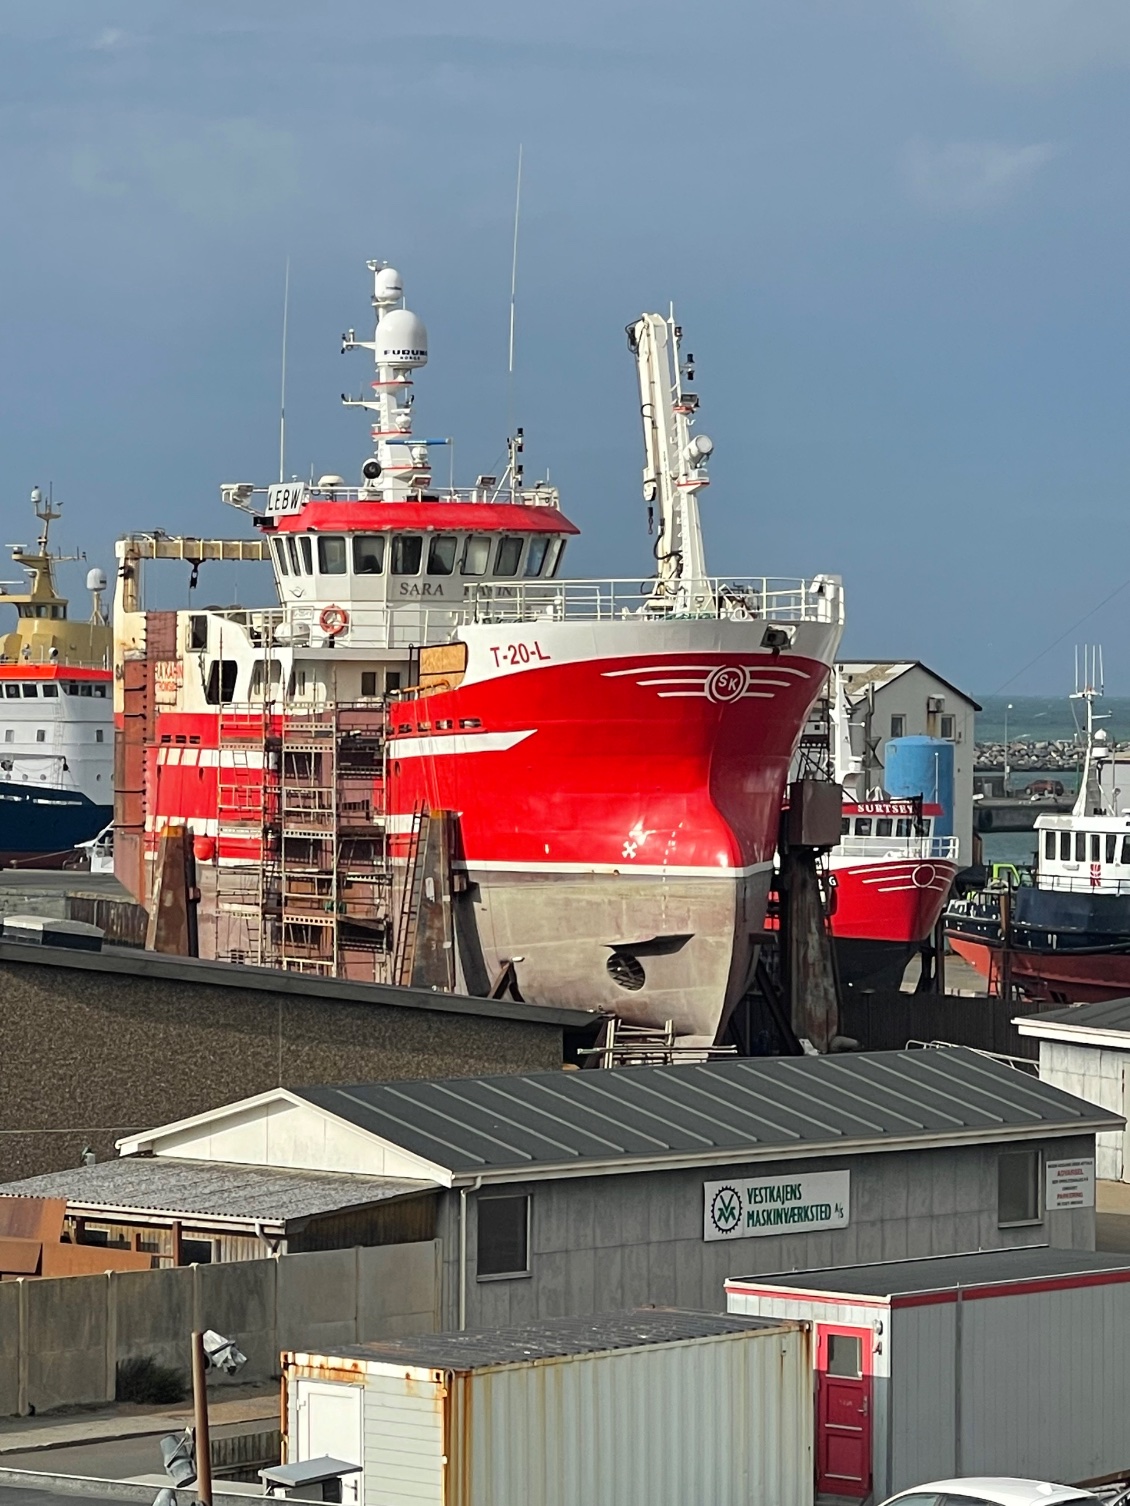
column 895, row 231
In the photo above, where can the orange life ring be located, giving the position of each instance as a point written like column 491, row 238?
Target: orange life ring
column 333, row 620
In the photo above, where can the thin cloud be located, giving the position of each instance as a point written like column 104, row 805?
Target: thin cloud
column 971, row 177
column 1031, row 43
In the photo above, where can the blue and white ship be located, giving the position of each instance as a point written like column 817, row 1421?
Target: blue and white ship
column 56, row 712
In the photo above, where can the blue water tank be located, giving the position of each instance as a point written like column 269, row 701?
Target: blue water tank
column 922, row 766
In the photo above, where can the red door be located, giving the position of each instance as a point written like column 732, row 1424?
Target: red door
column 843, row 1411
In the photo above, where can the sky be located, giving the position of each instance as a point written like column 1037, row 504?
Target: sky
column 894, row 231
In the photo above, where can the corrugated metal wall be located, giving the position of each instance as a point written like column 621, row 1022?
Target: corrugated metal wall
column 725, row 1420
column 1045, row 1386
column 403, row 1425
column 921, row 1442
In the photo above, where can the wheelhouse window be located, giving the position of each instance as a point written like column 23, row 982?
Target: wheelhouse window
column 1125, row 857
column 903, row 826
column 219, row 689
column 553, row 559
column 1111, row 846
column 279, row 546
column 503, row 1236
column 476, row 554
column 331, row 554
column 535, row 555
column 509, row 555
column 407, row 552
column 441, row 554
column 292, row 551
column 368, row 554
column 1094, row 847
column 845, row 826
column 307, row 554
column 1065, row 847
column 863, row 826
column 51, row 691
column 1080, row 847
column 1049, row 845
column 883, row 826
column 31, row 690
column 12, row 692
column 1018, row 1187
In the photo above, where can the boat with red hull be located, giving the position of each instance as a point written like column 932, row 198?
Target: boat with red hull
column 1064, row 938
column 610, row 755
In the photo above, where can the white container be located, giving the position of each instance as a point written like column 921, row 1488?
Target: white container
column 1005, row 1362
column 646, row 1409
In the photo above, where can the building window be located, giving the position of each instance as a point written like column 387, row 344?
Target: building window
column 845, row 1355
column 41, row 735
column 504, row 1236
column 407, row 552
column 1018, row 1187
column 9, row 734
column 100, row 736
column 198, row 1251
column 441, row 554
column 948, row 727
column 368, row 553
column 331, row 554
column 392, row 681
column 509, row 553
column 368, row 682
column 898, row 726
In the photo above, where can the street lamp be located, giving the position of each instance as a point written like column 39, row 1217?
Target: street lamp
column 188, row 1456
column 1007, row 770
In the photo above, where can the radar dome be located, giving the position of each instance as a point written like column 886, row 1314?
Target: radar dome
column 401, row 340
column 96, row 580
column 388, row 285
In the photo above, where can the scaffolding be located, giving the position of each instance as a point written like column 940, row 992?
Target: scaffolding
column 304, row 880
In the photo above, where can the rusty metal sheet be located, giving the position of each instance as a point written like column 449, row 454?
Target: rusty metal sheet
column 91, row 1260
column 19, row 1257
column 37, row 1218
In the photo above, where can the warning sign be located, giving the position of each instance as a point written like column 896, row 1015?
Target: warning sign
column 1069, row 1184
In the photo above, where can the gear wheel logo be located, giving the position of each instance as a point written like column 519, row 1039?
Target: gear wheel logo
column 726, row 1210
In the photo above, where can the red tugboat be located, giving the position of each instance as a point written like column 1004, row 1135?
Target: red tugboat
column 611, row 755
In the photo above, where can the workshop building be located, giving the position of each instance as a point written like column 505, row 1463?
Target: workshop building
column 567, row 1193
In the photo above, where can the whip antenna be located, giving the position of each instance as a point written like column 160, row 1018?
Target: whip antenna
column 282, row 386
column 514, row 284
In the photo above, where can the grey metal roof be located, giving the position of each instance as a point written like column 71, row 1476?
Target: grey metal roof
column 160, row 1184
column 710, row 1111
column 551, row 1338
column 135, row 963
column 896, row 1278
column 1109, row 1014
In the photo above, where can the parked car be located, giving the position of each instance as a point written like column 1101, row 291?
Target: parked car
column 1001, row 1492
column 1041, row 787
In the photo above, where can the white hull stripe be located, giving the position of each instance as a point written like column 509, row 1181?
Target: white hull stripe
column 621, row 870
column 770, row 667
column 458, row 742
column 210, row 758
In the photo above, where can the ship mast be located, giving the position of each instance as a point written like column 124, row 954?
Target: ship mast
column 674, row 462
column 1089, row 801
column 399, row 467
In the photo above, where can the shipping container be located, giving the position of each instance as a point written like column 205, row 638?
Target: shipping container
column 1003, row 1362
column 648, row 1408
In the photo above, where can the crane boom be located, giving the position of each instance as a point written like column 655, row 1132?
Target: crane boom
column 674, row 462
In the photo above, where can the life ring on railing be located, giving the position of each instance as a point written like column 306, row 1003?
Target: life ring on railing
column 333, row 620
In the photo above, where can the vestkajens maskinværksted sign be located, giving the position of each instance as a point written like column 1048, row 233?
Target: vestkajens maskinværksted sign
column 776, row 1205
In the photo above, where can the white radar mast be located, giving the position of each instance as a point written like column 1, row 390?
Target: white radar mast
column 674, row 462
column 399, row 467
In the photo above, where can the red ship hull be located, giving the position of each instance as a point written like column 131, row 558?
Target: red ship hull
column 1050, row 977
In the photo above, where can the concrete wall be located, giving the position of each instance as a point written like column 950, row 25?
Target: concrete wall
column 1099, row 1076
column 599, row 1243
column 62, row 1340
column 89, row 1056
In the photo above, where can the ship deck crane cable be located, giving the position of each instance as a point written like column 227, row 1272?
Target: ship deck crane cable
column 1067, row 632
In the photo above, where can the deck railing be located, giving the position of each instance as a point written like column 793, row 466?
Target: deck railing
column 1082, row 883
column 923, row 849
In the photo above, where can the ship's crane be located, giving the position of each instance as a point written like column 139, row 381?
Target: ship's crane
column 675, row 463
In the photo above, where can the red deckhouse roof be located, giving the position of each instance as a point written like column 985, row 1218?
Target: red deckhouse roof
column 24, row 669
column 381, row 517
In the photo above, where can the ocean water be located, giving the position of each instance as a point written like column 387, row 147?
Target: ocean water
column 1048, row 718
